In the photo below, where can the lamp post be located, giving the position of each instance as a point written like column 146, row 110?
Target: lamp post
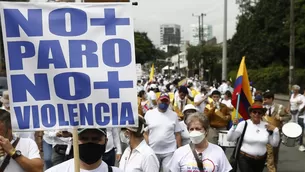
column 224, row 44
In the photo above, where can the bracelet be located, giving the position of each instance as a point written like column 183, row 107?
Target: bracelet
column 12, row 152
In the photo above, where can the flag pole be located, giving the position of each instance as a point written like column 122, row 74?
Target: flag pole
column 237, row 107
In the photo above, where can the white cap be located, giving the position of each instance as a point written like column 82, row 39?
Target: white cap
column 153, row 86
column 188, row 107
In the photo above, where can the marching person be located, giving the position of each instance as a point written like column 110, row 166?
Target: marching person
column 219, row 116
column 23, row 153
column 201, row 100
column 113, row 148
column 276, row 115
column 211, row 156
column 188, row 109
column 181, row 101
column 163, row 133
column 92, row 145
column 295, row 103
column 253, row 151
column 138, row 156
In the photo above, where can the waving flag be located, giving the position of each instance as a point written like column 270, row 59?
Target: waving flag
column 242, row 88
column 152, row 73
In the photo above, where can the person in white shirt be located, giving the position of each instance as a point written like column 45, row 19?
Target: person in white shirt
column 227, row 100
column 92, row 145
column 138, row 156
column 6, row 106
column 185, row 135
column 253, row 151
column 295, row 103
column 212, row 156
column 201, row 100
column 151, row 96
column 163, row 131
column 25, row 156
column 113, row 148
column 223, row 87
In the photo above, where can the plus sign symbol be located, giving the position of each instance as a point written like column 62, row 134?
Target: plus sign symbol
column 110, row 21
column 113, row 85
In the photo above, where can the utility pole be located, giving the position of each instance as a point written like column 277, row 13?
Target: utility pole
column 202, row 29
column 292, row 45
column 224, row 45
column 199, row 31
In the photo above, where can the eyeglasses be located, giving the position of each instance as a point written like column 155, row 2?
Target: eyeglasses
column 257, row 112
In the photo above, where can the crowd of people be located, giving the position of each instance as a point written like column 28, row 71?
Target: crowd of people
column 180, row 124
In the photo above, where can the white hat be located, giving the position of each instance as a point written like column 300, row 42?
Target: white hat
column 5, row 97
column 153, row 86
column 188, row 107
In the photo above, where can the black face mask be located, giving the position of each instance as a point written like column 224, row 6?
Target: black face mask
column 90, row 153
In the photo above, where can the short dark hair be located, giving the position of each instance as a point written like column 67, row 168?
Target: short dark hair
column 5, row 117
column 268, row 95
column 183, row 89
column 216, row 92
column 228, row 93
column 141, row 93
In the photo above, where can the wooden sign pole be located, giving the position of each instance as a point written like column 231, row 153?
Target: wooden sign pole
column 76, row 150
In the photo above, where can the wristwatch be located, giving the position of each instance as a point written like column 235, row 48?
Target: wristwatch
column 16, row 154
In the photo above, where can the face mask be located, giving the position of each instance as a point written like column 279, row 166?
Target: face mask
column 90, row 153
column 163, row 106
column 123, row 138
column 196, row 137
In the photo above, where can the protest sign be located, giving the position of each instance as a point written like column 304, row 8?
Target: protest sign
column 70, row 65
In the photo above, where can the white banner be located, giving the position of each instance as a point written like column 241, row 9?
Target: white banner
column 70, row 64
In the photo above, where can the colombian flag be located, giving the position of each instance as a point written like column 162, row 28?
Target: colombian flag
column 242, row 87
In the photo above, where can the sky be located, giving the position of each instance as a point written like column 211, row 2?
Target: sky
column 150, row 14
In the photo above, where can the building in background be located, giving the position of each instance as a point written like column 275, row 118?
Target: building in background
column 170, row 34
column 194, row 33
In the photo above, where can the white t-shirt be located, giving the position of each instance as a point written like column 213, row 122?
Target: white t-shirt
column 213, row 159
column 197, row 99
column 162, row 128
column 227, row 103
column 28, row 148
column 294, row 105
column 113, row 140
column 185, row 135
column 256, row 137
column 151, row 95
column 68, row 166
column 141, row 159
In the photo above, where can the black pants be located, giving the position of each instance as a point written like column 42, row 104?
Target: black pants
column 247, row 164
column 301, row 123
column 109, row 157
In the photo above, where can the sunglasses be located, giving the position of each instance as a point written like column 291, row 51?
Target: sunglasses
column 257, row 112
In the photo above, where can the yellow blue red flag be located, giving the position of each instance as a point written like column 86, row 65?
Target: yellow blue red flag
column 242, row 88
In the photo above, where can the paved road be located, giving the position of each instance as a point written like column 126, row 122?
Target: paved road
column 291, row 159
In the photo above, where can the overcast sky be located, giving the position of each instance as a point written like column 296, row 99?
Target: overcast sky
column 150, row 14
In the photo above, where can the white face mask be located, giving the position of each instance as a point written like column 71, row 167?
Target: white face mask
column 196, row 137
column 123, row 138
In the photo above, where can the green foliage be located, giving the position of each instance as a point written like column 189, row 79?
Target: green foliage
column 145, row 49
column 274, row 78
column 204, row 56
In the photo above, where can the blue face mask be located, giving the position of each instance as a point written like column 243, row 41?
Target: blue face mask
column 163, row 106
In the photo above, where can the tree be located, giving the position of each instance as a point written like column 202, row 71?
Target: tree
column 145, row 49
column 262, row 34
column 204, row 56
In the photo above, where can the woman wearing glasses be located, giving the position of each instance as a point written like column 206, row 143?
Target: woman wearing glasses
column 258, row 134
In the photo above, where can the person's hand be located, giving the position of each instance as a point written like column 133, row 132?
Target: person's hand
column 66, row 134
column 59, row 134
column 235, row 121
column 277, row 117
column 118, row 157
column 270, row 127
column 6, row 145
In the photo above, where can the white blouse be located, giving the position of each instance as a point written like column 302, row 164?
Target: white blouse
column 256, row 137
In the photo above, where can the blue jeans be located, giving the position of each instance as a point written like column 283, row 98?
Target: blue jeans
column 47, row 154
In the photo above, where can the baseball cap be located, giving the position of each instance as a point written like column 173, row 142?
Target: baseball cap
column 164, row 96
column 153, row 86
column 258, row 98
column 102, row 130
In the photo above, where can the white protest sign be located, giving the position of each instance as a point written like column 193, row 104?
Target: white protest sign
column 70, row 65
